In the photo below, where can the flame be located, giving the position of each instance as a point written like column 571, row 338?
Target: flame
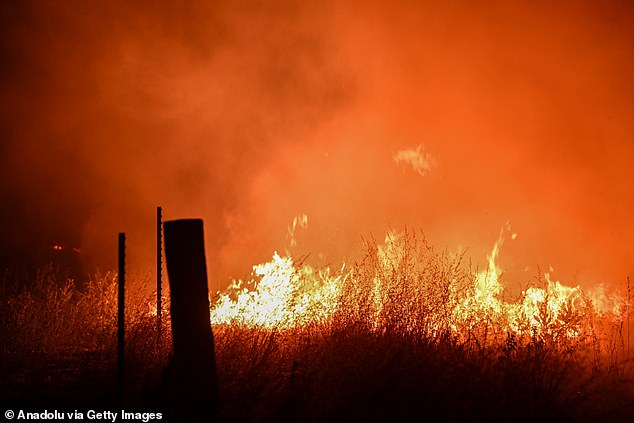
column 483, row 302
column 300, row 221
column 397, row 288
column 283, row 296
column 555, row 310
column 58, row 247
column 420, row 161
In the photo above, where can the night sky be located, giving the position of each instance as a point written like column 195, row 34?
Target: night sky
column 249, row 113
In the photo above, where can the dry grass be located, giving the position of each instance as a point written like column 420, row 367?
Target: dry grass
column 391, row 351
column 57, row 337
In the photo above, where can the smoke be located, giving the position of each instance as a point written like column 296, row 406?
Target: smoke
column 249, row 114
column 113, row 109
column 421, row 162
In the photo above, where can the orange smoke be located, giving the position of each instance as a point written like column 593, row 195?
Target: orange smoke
column 248, row 115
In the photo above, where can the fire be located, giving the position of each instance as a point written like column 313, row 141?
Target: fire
column 58, row 247
column 395, row 286
column 283, row 296
column 555, row 310
column 420, row 161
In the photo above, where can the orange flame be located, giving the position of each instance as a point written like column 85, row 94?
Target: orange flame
column 282, row 295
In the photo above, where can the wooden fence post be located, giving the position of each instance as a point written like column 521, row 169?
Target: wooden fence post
column 196, row 384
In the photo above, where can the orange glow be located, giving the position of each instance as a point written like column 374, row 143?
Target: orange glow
column 450, row 117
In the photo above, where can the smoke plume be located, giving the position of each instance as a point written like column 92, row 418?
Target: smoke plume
column 249, row 114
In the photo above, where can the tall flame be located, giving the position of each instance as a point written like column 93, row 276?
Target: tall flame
column 397, row 287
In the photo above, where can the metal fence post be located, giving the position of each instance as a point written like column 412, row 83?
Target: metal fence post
column 121, row 322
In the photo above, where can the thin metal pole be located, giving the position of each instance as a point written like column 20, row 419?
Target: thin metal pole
column 121, row 320
column 159, row 271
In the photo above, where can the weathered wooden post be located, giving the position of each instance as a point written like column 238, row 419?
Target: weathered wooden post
column 196, row 390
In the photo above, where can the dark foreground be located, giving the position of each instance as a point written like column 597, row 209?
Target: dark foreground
column 344, row 375
column 58, row 351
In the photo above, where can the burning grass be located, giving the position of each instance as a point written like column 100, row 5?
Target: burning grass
column 405, row 287
column 404, row 332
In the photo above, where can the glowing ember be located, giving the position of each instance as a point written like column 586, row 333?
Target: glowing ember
column 300, row 221
column 420, row 161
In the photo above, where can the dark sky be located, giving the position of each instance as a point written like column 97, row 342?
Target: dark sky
column 250, row 113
